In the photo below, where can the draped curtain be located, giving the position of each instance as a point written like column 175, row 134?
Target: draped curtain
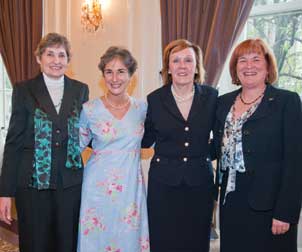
column 214, row 25
column 20, row 33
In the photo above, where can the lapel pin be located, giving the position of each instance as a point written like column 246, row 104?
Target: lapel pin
column 271, row 99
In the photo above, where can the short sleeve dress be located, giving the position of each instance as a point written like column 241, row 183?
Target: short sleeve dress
column 113, row 214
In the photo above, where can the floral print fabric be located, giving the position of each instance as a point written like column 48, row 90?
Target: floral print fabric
column 73, row 159
column 113, row 214
column 43, row 143
column 231, row 152
column 42, row 156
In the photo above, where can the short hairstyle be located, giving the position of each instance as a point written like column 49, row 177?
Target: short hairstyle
column 50, row 40
column 176, row 46
column 254, row 46
column 121, row 53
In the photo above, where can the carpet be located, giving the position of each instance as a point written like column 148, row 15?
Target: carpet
column 7, row 247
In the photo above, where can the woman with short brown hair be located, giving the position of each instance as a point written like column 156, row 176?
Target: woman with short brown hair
column 179, row 119
column 258, row 141
column 42, row 166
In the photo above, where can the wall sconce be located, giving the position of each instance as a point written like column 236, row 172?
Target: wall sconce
column 91, row 15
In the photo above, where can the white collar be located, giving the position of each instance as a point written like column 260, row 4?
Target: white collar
column 53, row 82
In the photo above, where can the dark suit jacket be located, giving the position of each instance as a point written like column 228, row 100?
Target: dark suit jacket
column 272, row 149
column 181, row 147
column 17, row 168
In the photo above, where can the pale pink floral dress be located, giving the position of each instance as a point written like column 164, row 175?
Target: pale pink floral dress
column 113, row 214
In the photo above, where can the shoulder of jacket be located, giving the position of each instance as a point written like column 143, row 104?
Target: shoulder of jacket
column 77, row 83
column 23, row 85
column 157, row 92
column 284, row 92
column 208, row 89
column 228, row 95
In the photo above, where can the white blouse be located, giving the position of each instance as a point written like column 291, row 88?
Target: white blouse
column 56, row 90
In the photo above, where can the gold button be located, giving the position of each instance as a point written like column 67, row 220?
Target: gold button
column 186, row 144
column 246, row 132
column 186, row 128
column 158, row 159
column 185, row 159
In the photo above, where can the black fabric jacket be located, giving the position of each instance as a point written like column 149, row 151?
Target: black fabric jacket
column 272, row 148
column 17, row 168
column 181, row 146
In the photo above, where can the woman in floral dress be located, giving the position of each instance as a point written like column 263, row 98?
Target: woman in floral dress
column 113, row 210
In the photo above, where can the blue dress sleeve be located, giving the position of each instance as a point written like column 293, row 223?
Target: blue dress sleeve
column 85, row 131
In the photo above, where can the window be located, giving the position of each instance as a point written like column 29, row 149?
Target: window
column 279, row 23
column 5, row 98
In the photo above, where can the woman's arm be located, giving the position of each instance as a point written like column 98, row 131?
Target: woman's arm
column 12, row 152
column 149, row 134
column 85, row 131
column 14, row 143
column 288, row 202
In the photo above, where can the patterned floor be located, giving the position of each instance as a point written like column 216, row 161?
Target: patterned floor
column 214, row 246
column 7, row 247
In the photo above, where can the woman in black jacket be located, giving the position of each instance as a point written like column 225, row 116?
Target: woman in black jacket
column 179, row 119
column 258, row 139
column 42, row 167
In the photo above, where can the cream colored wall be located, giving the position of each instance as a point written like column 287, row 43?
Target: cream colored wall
column 134, row 24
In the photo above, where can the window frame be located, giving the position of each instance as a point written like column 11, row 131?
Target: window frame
column 225, row 82
column 276, row 9
column 5, row 95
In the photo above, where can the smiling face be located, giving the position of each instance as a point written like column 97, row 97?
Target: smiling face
column 182, row 66
column 53, row 61
column 252, row 69
column 116, row 77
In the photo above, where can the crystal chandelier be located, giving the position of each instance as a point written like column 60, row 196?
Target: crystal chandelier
column 91, row 15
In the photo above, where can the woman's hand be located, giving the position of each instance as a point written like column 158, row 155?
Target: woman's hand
column 279, row 227
column 5, row 210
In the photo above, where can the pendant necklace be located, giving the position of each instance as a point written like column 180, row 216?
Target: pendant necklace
column 253, row 101
column 58, row 104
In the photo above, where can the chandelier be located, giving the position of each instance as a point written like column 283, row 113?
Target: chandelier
column 91, row 15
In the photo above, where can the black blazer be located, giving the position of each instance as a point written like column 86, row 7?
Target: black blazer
column 17, row 168
column 181, row 147
column 272, row 149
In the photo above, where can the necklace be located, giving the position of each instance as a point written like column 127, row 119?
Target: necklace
column 58, row 104
column 117, row 107
column 181, row 99
column 249, row 103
